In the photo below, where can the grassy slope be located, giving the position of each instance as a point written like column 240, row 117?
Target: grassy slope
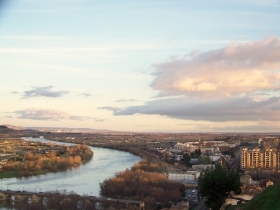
column 267, row 200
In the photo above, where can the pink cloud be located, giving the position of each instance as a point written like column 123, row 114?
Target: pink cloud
column 239, row 68
column 47, row 114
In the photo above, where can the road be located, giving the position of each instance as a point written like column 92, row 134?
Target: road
column 191, row 195
column 201, row 205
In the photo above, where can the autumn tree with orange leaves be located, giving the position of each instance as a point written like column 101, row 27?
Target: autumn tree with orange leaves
column 51, row 162
column 138, row 184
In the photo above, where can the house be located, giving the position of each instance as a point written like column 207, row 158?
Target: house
column 246, row 179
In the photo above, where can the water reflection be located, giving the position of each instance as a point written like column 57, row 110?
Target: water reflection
column 82, row 180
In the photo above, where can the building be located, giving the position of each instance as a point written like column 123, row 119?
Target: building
column 256, row 158
column 184, row 178
column 269, row 183
column 246, row 179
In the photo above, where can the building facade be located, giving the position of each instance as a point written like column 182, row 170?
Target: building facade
column 256, row 158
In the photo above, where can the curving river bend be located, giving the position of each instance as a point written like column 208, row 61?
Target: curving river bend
column 82, row 180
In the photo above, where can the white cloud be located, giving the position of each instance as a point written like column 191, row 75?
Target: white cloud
column 86, row 94
column 236, row 83
column 125, row 100
column 239, row 68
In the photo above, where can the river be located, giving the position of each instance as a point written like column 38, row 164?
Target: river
column 82, row 180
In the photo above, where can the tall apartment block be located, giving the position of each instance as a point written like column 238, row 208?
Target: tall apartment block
column 256, row 158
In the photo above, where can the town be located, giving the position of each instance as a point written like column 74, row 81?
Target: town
column 182, row 157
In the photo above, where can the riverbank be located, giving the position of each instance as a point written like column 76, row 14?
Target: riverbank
column 139, row 149
column 21, row 158
column 82, row 180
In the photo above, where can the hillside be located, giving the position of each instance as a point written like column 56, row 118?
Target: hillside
column 267, row 200
column 6, row 132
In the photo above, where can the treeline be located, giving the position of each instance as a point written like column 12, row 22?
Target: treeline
column 150, row 166
column 40, row 166
column 36, row 164
column 138, row 184
column 81, row 150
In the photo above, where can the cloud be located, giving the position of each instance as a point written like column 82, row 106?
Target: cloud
column 85, row 94
column 239, row 82
column 173, row 57
column 98, row 120
column 238, row 68
column 43, row 92
column 242, row 128
column 219, row 110
column 125, row 100
column 114, row 109
column 8, row 116
column 47, row 114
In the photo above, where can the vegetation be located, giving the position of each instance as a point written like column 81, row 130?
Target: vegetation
column 204, row 160
column 196, row 153
column 138, row 184
column 8, row 174
column 186, row 160
column 267, row 200
column 217, row 183
column 36, row 163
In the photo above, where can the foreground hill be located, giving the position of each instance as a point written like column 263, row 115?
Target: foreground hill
column 267, row 200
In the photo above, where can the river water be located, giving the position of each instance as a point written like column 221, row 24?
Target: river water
column 82, row 180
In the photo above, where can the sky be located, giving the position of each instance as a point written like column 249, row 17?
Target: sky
column 141, row 66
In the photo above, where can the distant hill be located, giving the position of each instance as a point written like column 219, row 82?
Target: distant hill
column 68, row 129
column 14, row 127
column 9, row 131
column 3, row 127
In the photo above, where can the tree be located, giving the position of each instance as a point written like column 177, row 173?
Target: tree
column 197, row 153
column 205, row 160
column 217, row 183
column 187, row 159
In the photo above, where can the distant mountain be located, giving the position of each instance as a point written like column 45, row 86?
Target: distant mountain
column 63, row 129
column 68, row 129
